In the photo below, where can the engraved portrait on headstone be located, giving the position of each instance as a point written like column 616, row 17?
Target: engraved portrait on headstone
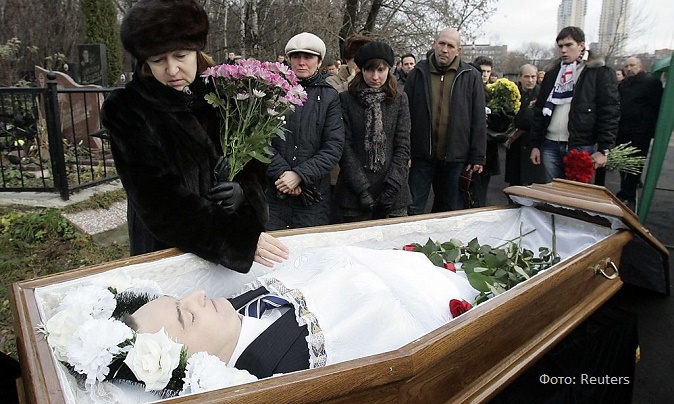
column 93, row 66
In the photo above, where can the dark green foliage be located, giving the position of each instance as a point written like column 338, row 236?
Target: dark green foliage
column 101, row 26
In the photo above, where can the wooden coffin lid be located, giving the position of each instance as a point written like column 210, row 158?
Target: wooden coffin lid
column 593, row 199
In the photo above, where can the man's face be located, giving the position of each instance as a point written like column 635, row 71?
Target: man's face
column 200, row 323
column 231, row 55
column 632, row 66
column 333, row 70
column 528, row 78
column 569, row 49
column 304, row 65
column 408, row 64
column 447, row 46
column 486, row 73
column 280, row 58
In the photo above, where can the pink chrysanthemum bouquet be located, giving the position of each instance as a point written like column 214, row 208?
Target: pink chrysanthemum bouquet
column 253, row 99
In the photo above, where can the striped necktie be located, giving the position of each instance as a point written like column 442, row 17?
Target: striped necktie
column 258, row 306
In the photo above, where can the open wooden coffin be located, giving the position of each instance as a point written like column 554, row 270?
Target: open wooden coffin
column 469, row 359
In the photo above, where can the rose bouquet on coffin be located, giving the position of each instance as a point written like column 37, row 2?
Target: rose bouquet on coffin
column 253, row 98
column 503, row 100
column 490, row 270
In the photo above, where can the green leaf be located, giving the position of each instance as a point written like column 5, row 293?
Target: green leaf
column 452, row 255
column 521, row 271
column 473, row 245
column 480, row 282
column 436, row 259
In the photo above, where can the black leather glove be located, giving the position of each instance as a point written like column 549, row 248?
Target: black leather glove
column 229, row 195
column 366, row 201
column 385, row 200
column 220, row 171
column 310, row 195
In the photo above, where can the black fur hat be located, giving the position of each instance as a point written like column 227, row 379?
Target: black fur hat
column 153, row 27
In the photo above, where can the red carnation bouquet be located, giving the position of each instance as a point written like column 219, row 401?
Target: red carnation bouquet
column 578, row 166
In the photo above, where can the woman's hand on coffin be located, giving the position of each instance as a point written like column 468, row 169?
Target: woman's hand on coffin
column 229, row 195
column 270, row 250
column 366, row 201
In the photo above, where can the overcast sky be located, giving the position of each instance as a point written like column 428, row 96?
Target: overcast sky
column 517, row 22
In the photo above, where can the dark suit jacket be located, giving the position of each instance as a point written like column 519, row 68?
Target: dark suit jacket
column 281, row 348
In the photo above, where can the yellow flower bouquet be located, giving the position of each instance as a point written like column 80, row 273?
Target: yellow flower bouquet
column 503, row 99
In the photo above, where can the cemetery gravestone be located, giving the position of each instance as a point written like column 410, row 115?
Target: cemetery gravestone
column 93, row 64
column 79, row 112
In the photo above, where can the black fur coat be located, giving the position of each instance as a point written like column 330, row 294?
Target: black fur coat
column 165, row 145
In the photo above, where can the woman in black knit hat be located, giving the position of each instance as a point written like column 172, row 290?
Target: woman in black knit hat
column 165, row 143
column 372, row 183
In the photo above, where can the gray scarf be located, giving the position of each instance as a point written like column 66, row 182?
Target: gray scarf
column 375, row 138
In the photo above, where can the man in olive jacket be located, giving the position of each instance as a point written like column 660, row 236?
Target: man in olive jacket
column 449, row 127
column 578, row 107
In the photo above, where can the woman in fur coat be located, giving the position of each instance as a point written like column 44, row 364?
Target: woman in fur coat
column 372, row 183
column 165, row 142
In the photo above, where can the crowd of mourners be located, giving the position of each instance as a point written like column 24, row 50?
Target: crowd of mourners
column 374, row 139
column 379, row 139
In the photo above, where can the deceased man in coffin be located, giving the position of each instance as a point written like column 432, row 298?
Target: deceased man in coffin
column 340, row 296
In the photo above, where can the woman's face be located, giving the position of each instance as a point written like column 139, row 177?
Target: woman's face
column 176, row 69
column 202, row 324
column 376, row 77
column 304, row 65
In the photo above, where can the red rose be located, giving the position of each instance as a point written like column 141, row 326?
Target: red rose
column 450, row 266
column 409, row 247
column 578, row 166
column 458, row 307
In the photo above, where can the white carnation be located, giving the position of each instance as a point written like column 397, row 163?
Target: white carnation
column 98, row 300
column 61, row 327
column 207, row 372
column 94, row 345
column 153, row 359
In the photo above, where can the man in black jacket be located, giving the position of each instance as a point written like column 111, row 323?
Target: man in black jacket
column 518, row 167
column 449, row 126
column 578, row 107
column 640, row 96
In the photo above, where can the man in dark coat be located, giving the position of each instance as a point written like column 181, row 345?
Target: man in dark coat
column 301, row 163
column 640, row 96
column 518, row 168
column 448, row 124
column 578, row 107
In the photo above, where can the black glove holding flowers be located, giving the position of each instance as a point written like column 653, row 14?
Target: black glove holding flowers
column 225, row 193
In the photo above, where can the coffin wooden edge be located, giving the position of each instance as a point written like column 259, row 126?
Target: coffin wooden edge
column 420, row 370
column 594, row 199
